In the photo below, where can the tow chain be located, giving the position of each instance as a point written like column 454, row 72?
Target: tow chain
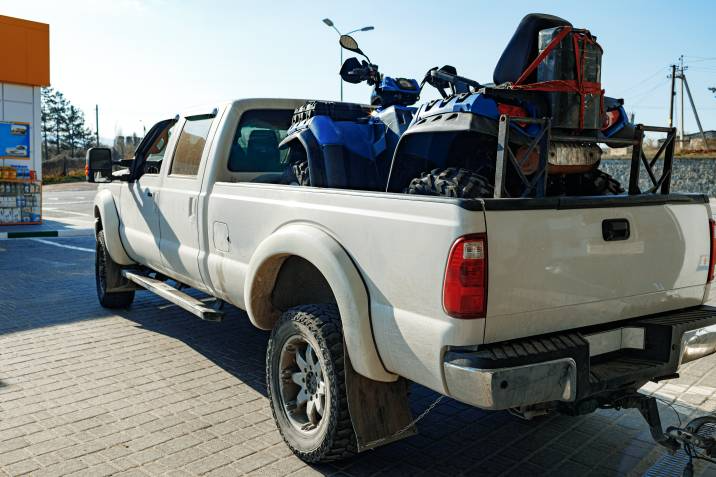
column 377, row 442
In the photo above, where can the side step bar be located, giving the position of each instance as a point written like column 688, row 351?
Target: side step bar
column 182, row 300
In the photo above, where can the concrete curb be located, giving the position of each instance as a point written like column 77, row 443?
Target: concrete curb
column 83, row 232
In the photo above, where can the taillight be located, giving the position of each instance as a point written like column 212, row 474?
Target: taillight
column 465, row 284
column 712, row 260
column 610, row 118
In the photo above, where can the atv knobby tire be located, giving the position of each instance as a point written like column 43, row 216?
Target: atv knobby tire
column 451, row 182
column 320, row 326
column 296, row 174
column 604, row 184
column 108, row 271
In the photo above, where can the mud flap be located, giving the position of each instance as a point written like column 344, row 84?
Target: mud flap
column 379, row 411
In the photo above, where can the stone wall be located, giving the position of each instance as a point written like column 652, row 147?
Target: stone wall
column 689, row 175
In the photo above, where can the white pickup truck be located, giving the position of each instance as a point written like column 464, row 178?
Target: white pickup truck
column 556, row 304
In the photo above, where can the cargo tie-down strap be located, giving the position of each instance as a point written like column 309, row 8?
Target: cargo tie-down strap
column 579, row 39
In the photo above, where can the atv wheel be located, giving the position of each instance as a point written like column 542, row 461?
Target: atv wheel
column 451, row 182
column 107, row 271
column 603, row 183
column 306, row 386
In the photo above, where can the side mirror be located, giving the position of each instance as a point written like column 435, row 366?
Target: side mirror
column 352, row 71
column 98, row 167
column 350, row 44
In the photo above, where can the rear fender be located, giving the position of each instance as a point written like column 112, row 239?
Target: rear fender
column 327, row 255
column 105, row 211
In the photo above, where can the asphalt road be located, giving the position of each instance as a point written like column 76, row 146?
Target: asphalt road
column 69, row 203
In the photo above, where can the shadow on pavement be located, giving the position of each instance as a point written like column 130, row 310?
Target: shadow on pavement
column 454, row 439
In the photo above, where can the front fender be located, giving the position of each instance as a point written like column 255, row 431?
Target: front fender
column 327, row 255
column 106, row 212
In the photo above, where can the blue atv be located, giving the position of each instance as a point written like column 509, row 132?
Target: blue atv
column 534, row 132
column 347, row 145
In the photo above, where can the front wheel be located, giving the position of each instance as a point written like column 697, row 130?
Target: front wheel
column 306, row 383
column 108, row 271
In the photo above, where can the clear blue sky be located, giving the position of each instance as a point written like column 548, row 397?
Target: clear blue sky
column 142, row 60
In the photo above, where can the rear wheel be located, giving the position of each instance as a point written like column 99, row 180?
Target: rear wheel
column 107, row 271
column 451, row 182
column 603, row 183
column 306, row 383
column 592, row 183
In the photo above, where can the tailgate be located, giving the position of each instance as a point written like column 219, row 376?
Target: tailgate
column 573, row 265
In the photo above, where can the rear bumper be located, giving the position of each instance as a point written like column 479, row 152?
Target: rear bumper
column 581, row 364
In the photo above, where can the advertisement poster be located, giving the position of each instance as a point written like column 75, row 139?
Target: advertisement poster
column 14, row 140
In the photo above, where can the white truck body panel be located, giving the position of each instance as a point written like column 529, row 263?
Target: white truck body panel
column 552, row 270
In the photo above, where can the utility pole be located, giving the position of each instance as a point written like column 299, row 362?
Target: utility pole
column 671, row 96
column 685, row 84
column 96, row 121
column 681, row 76
column 696, row 115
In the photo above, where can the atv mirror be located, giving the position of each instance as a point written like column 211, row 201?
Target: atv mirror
column 349, row 43
column 352, row 70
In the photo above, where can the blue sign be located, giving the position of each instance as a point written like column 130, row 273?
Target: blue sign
column 14, row 140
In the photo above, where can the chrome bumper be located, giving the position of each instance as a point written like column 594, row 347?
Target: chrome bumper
column 512, row 387
column 579, row 365
column 697, row 343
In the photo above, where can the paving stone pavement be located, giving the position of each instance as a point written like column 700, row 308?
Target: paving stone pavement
column 154, row 391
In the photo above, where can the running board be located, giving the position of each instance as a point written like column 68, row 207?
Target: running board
column 182, row 300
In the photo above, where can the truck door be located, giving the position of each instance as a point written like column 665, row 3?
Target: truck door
column 140, row 219
column 178, row 199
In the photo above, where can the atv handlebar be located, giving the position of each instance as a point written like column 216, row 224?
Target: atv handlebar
column 447, row 77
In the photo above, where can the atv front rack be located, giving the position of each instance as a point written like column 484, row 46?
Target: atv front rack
column 535, row 186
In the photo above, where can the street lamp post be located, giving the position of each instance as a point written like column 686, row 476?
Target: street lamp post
column 330, row 23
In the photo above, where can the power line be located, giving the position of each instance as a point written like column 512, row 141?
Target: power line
column 635, row 100
column 651, row 76
column 699, row 59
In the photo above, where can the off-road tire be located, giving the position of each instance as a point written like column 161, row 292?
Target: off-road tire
column 336, row 439
column 603, row 183
column 300, row 171
column 451, row 182
column 106, row 271
column 296, row 174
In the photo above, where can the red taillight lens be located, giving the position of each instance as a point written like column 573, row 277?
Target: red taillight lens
column 465, row 285
column 712, row 260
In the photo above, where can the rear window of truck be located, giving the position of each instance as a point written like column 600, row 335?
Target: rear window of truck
column 255, row 145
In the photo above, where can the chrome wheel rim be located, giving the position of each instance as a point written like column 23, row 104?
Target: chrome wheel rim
column 304, row 393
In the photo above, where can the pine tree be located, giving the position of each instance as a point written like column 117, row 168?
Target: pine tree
column 63, row 125
column 46, row 104
column 58, row 115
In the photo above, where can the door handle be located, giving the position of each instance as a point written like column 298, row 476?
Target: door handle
column 615, row 229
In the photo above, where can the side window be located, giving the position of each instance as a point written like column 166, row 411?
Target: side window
column 157, row 151
column 255, row 146
column 187, row 154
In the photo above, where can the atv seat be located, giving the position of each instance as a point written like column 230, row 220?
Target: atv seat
column 522, row 48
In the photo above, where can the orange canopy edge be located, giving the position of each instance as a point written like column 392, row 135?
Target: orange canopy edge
column 24, row 52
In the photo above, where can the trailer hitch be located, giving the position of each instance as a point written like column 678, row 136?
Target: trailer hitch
column 650, row 412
